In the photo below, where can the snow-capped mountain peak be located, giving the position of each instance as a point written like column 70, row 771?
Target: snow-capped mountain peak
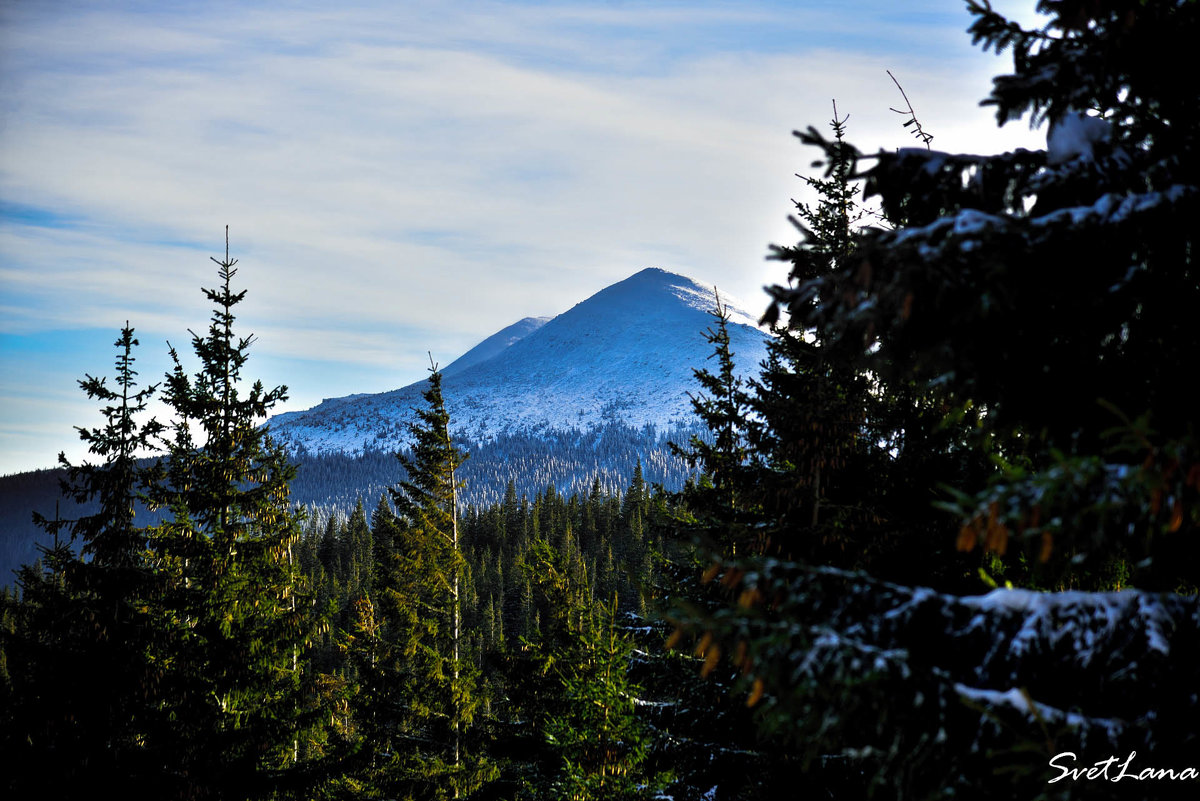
column 623, row 355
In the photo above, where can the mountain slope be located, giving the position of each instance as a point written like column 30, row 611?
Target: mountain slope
column 495, row 344
column 625, row 355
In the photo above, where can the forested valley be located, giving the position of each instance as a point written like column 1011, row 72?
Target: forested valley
column 944, row 545
column 333, row 483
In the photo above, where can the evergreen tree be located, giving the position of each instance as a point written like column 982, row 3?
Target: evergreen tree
column 574, row 690
column 382, row 515
column 1049, row 293
column 427, row 684
column 714, row 507
column 819, row 460
column 234, row 706
column 1019, row 336
column 329, row 552
column 360, row 548
column 84, row 681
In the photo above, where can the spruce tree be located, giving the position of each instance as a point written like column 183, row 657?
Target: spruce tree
column 1023, row 328
column 85, row 682
column 1049, row 293
column 713, row 512
column 360, row 548
column 819, row 463
column 572, row 688
column 235, row 706
column 426, row 680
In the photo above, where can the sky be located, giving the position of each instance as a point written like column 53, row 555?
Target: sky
column 405, row 178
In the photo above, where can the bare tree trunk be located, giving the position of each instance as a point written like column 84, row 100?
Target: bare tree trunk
column 454, row 598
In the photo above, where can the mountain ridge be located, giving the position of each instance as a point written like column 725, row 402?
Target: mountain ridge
column 623, row 355
column 495, row 344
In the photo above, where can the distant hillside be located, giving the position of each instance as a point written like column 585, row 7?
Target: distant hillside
column 333, row 482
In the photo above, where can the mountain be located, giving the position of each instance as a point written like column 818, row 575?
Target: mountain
column 624, row 356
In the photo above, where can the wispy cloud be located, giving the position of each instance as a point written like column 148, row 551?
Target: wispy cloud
column 404, row 177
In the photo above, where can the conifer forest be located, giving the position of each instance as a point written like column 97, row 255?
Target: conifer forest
column 945, row 543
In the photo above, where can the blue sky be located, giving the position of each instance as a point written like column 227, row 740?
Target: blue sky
column 404, row 177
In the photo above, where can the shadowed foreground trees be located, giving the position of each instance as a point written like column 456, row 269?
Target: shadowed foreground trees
column 83, row 683
column 172, row 657
column 235, row 699
column 1010, row 351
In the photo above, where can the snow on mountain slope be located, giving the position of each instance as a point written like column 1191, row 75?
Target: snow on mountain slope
column 495, row 344
column 626, row 355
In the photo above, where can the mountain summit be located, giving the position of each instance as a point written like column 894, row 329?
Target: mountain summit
column 625, row 355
